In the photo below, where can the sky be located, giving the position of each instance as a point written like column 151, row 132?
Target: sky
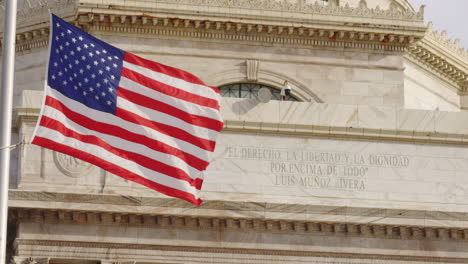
column 449, row 15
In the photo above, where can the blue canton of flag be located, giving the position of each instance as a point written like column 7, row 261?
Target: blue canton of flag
column 83, row 67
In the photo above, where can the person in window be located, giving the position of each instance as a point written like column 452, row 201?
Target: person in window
column 285, row 91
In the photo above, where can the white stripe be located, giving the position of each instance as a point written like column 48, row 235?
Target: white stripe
column 193, row 88
column 166, row 119
column 118, row 161
column 104, row 117
column 120, row 143
column 183, row 105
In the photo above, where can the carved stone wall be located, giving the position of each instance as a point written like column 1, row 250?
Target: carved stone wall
column 347, row 175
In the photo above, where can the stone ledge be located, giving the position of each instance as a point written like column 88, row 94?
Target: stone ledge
column 316, row 119
column 128, row 210
column 122, row 253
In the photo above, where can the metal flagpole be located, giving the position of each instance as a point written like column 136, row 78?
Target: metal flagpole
column 6, row 97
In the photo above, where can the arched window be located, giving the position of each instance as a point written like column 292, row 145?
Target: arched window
column 250, row 90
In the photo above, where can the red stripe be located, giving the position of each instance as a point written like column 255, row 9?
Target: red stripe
column 169, row 90
column 197, row 120
column 117, row 131
column 174, row 132
column 137, row 158
column 174, row 72
column 115, row 169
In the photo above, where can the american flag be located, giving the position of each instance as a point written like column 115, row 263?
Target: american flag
column 141, row 120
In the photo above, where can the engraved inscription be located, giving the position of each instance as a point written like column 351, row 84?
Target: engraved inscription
column 318, row 169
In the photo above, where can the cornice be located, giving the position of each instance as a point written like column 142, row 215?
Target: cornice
column 95, row 209
column 332, row 228
column 222, row 217
column 248, row 33
column 443, row 57
column 451, row 47
column 266, row 21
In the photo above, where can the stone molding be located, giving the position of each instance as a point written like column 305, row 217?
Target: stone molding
column 433, row 69
column 127, row 253
column 231, row 32
column 117, row 262
column 347, row 221
column 442, row 58
column 335, row 228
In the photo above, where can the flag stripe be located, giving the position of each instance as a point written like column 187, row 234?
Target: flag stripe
column 103, row 123
column 113, row 141
column 161, row 87
column 174, row 74
column 165, row 114
column 165, row 129
column 139, row 159
column 113, row 167
column 151, row 104
column 68, row 138
column 185, row 106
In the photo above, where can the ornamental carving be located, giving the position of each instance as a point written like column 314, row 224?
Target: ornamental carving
column 252, row 70
column 302, row 7
column 71, row 166
column 441, row 39
column 31, row 8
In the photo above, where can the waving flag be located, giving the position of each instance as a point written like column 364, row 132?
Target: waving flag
column 141, row 120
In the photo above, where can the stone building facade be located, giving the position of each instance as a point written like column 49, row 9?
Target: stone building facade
column 366, row 163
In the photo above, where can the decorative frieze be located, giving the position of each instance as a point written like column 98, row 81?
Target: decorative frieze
column 224, row 31
column 217, row 223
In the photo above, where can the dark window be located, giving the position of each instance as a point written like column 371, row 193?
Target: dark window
column 250, row 90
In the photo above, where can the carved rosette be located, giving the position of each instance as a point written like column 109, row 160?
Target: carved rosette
column 71, row 166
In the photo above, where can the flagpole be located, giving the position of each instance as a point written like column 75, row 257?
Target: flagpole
column 6, row 97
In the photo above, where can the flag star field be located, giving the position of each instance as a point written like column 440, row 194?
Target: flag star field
column 84, row 68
